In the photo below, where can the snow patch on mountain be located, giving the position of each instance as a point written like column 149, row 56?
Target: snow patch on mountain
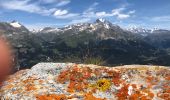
column 135, row 29
column 102, row 20
column 53, row 29
column 49, row 30
column 15, row 24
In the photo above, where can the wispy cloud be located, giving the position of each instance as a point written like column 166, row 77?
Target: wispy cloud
column 64, row 14
column 92, row 13
column 60, row 12
column 92, row 7
column 48, row 1
column 35, row 7
column 161, row 18
column 67, row 16
column 80, row 20
column 26, row 6
column 119, row 13
column 63, row 3
column 57, row 2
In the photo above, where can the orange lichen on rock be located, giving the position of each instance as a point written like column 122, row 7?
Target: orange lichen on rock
column 30, row 87
column 165, row 93
column 168, row 78
column 123, row 92
column 63, row 77
column 51, row 97
column 9, row 86
column 89, row 96
column 76, row 78
column 90, row 82
column 146, row 94
column 152, row 81
column 116, row 79
column 164, row 96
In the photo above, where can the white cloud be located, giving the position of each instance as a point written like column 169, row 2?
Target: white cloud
column 48, row 1
column 123, row 16
column 26, row 6
column 36, row 8
column 119, row 13
column 101, row 13
column 131, row 12
column 80, row 20
column 90, row 13
column 57, row 2
column 63, row 3
column 67, row 16
column 60, row 12
column 20, row 5
column 161, row 18
column 91, row 8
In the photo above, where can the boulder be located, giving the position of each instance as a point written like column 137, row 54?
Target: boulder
column 70, row 81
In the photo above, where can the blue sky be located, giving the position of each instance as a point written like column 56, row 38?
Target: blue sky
column 126, row 13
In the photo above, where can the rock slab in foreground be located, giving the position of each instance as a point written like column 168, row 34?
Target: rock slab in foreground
column 64, row 81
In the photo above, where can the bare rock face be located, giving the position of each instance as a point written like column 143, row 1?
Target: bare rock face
column 64, row 81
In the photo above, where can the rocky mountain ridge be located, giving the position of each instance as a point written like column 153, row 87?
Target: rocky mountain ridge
column 100, row 42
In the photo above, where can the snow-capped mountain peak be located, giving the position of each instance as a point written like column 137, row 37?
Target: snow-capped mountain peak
column 154, row 29
column 135, row 29
column 102, row 20
column 15, row 24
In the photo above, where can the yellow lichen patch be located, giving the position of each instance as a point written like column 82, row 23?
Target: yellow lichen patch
column 103, row 84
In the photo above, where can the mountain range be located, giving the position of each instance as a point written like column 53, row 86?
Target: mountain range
column 100, row 43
